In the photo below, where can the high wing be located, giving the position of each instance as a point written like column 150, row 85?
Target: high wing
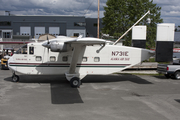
column 78, row 44
column 87, row 41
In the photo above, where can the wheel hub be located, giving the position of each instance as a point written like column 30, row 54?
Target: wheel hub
column 75, row 82
column 14, row 78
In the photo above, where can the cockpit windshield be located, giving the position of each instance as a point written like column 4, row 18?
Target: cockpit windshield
column 22, row 50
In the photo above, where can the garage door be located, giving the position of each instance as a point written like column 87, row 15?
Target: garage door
column 25, row 30
column 39, row 31
column 54, row 31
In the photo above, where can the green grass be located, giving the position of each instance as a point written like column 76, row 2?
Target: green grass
column 140, row 74
column 153, row 60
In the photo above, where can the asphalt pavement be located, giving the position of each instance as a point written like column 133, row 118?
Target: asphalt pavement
column 100, row 97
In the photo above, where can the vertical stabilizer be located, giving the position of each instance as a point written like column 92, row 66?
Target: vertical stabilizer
column 139, row 36
column 165, row 42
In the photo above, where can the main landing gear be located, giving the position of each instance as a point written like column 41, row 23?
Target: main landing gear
column 74, row 80
column 15, row 78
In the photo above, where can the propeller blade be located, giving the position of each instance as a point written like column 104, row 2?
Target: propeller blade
column 48, row 39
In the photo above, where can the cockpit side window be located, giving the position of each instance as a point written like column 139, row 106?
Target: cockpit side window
column 22, row 50
column 31, row 50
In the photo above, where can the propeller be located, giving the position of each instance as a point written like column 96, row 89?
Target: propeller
column 48, row 46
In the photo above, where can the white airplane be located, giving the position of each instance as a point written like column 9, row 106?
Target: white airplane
column 75, row 58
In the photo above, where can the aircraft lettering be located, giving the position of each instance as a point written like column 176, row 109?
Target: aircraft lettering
column 120, row 53
column 20, row 59
column 120, row 59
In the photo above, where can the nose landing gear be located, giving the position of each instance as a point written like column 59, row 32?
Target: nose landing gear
column 15, row 78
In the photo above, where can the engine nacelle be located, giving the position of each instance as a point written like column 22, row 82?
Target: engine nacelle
column 58, row 47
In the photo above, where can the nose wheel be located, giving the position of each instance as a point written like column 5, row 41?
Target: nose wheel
column 15, row 78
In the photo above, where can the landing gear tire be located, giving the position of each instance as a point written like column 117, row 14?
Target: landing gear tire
column 15, row 78
column 75, row 82
column 177, row 75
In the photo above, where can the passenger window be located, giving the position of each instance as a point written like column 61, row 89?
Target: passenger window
column 96, row 59
column 31, row 50
column 22, row 50
column 38, row 58
column 65, row 58
column 52, row 59
column 84, row 59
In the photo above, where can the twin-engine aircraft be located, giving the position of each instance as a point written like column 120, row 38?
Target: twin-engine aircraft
column 75, row 58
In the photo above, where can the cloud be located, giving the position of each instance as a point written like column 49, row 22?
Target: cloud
column 170, row 8
column 45, row 7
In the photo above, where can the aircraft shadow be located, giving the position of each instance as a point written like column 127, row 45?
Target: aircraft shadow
column 177, row 100
column 62, row 93
column 114, row 78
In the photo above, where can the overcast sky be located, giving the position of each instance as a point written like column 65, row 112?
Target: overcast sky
column 170, row 11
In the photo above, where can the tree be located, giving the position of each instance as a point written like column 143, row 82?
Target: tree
column 120, row 15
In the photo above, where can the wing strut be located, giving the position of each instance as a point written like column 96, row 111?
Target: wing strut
column 77, row 53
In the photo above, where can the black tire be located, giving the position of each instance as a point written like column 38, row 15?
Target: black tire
column 177, row 75
column 15, row 78
column 75, row 82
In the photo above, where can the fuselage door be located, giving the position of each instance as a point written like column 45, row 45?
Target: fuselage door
column 31, row 55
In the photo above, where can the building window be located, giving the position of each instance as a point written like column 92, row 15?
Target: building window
column 38, row 58
column 5, row 23
column 64, row 58
column 76, row 34
column 52, row 59
column 96, row 59
column 84, row 59
column 81, row 24
column 31, row 50
column 6, row 34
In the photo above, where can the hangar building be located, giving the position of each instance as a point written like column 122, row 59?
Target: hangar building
column 27, row 27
